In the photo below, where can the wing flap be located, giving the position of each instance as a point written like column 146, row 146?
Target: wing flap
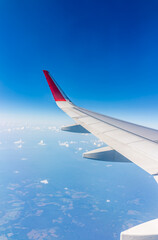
column 126, row 143
column 105, row 154
column 74, row 128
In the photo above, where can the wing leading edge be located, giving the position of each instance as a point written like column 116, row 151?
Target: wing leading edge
column 134, row 142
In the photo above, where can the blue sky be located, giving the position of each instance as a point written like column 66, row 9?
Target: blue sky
column 104, row 55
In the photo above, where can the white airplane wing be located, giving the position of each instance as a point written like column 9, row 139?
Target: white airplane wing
column 127, row 142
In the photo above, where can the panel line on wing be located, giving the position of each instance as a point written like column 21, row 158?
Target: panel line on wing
column 117, row 126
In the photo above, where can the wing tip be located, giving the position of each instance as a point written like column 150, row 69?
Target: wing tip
column 57, row 93
column 44, row 70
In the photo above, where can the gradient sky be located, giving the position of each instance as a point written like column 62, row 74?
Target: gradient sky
column 104, row 54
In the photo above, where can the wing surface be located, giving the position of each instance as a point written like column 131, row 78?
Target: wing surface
column 135, row 142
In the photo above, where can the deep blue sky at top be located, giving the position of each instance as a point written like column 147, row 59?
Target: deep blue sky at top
column 98, row 51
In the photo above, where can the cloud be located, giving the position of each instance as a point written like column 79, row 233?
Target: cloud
column 45, row 181
column 72, row 142
column 98, row 143
column 13, row 186
column 19, row 142
column 37, row 234
column 135, row 201
column 36, row 128
column 54, row 128
column 131, row 223
column 10, row 215
column 108, row 201
column 79, row 195
column 41, row 234
column 58, row 220
column 79, row 149
column 80, row 224
column 20, row 128
column 108, row 165
column 133, row 212
column 52, row 232
column 23, row 159
column 10, row 234
column 39, row 212
column 41, row 143
column 20, row 146
column 3, row 237
column 66, row 144
column 16, row 172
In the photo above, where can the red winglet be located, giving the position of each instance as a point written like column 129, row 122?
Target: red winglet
column 58, row 96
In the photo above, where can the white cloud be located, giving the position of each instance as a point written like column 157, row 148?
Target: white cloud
column 10, row 234
column 0, row 142
column 45, row 181
column 42, row 234
column 72, row 142
column 20, row 146
column 135, row 201
column 36, row 128
column 19, row 142
column 79, row 149
column 3, row 237
column 132, row 212
column 99, row 145
column 58, row 220
column 109, row 165
column 39, row 212
column 66, row 144
column 80, row 224
column 16, row 172
column 107, row 200
column 41, row 143
column 54, row 128
column 20, row 128
column 23, row 159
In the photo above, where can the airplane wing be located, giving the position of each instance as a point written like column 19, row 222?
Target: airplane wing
column 126, row 141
